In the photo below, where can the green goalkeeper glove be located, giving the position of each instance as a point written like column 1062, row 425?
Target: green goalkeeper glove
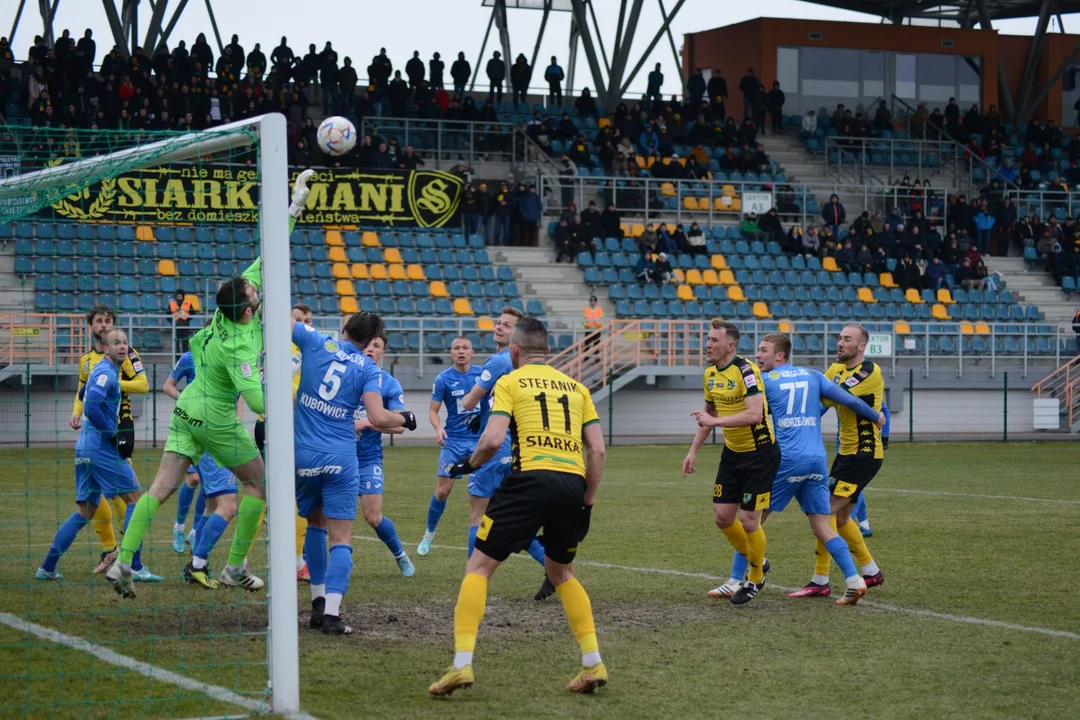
column 300, row 193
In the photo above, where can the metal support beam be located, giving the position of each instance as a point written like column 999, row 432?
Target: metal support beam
column 615, row 50
column 571, row 59
column 154, row 30
column 618, row 63
column 48, row 14
column 1004, row 93
column 599, row 38
column 164, row 39
column 649, row 49
column 582, row 21
column 114, row 24
column 483, row 47
column 1034, row 51
column 15, row 23
column 129, row 15
column 504, row 37
column 1069, row 60
column 540, row 36
column 674, row 51
column 213, row 25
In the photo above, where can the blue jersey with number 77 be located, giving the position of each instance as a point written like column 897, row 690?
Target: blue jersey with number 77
column 334, row 376
column 794, row 394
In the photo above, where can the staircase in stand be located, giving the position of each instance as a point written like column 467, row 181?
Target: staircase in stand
column 1063, row 385
column 1034, row 286
column 559, row 286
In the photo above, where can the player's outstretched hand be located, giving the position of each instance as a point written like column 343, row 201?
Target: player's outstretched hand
column 410, row 419
column 704, row 419
column 300, row 192
column 461, row 467
column 473, row 423
column 583, row 522
column 76, row 422
column 688, row 465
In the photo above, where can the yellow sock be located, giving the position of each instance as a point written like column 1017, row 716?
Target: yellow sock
column 736, row 535
column 469, row 611
column 822, row 558
column 103, row 526
column 853, row 537
column 119, row 510
column 301, row 531
column 756, row 556
column 578, row 610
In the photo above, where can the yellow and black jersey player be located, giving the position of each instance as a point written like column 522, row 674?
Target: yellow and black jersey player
column 557, row 462
column 735, row 401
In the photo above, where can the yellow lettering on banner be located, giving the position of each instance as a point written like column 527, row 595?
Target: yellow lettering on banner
column 397, row 199
column 129, row 189
column 175, row 194
column 371, row 193
column 317, row 199
column 343, row 197
column 207, row 193
column 150, row 192
column 239, row 195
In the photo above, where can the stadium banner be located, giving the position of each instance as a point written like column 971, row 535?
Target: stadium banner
column 230, row 194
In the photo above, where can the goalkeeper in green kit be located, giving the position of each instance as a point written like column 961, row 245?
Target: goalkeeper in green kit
column 226, row 355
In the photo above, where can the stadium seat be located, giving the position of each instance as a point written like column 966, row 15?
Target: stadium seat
column 462, row 306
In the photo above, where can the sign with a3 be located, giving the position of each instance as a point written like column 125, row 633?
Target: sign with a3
column 880, row 345
column 755, row 202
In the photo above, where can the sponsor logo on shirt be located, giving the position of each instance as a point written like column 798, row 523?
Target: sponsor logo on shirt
column 102, row 380
column 485, row 376
column 316, row 471
column 245, row 369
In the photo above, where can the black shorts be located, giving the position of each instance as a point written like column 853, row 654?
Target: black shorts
column 260, row 437
column 747, row 478
column 851, row 473
column 125, row 436
column 526, row 502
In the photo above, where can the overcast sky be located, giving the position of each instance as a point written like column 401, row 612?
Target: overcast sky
column 447, row 26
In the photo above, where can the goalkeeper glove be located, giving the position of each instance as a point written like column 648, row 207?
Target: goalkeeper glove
column 410, row 419
column 584, row 520
column 300, row 193
column 473, row 423
column 461, row 467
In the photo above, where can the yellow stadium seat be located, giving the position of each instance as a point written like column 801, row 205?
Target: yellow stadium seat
column 913, row 297
column 693, row 277
column 679, row 276
column 650, row 161
column 340, row 271
column 397, row 272
column 603, row 122
column 667, row 189
column 194, row 300
column 640, row 161
column 144, row 232
column 829, row 263
column 736, row 205
column 337, row 254
column 727, row 277
column 866, row 295
column 784, row 326
column 685, row 293
column 166, row 268
column 438, row 290
column 485, row 324
column 945, row 297
column 344, row 287
column 625, row 229
column 334, row 239
column 940, row 312
column 370, row 239
column 728, row 190
column 718, row 262
column 392, row 256
column 887, row 281
column 902, row 328
column 735, row 294
column 709, row 277
column 982, row 328
column 761, row 310
column 359, row 271
column 348, row 305
column 415, row 272
column 637, row 230
column 721, row 204
column 682, row 161
column 378, row 272
column 462, row 306
column 967, row 329
column 690, row 203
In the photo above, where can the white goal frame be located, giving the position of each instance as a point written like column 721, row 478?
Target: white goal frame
column 283, row 642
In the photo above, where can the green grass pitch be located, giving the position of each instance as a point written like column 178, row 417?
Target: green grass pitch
column 978, row 616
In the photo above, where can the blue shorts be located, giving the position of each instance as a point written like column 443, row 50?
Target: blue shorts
column 327, row 481
column 806, row 481
column 371, row 479
column 215, row 480
column 455, row 450
column 102, row 471
column 489, row 476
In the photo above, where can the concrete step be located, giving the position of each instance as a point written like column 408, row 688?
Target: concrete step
column 560, row 287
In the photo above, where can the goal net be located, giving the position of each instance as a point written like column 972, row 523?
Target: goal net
column 148, row 225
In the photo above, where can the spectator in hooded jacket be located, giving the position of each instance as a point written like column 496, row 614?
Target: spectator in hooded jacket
column 531, row 209
column 520, row 76
column 496, row 72
column 774, row 102
column 460, row 72
column 833, row 214
column 749, row 87
column 984, row 223
column 554, row 75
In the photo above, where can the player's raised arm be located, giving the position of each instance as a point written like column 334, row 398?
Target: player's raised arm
column 490, row 442
column 138, row 385
column 836, row 394
column 474, row 396
column 170, row 388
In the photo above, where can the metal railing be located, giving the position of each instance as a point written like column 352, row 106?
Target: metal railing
column 1043, row 203
column 1064, row 385
column 885, row 161
column 444, row 143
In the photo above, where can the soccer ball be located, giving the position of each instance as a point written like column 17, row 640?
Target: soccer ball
column 336, row 136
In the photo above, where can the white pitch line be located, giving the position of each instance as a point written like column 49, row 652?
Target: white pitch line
column 146, row 669
column 964, row 619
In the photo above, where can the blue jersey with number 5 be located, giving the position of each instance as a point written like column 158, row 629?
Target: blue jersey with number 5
column 794, row 394
column 333, row 379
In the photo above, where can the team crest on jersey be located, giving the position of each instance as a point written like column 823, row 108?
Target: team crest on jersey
column 102, row 380
column 710, row 383
column 747, row 498
column 774, row 375
column 331, row 346
column 485, row 376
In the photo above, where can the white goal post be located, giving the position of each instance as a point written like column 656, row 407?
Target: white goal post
column 270, row 130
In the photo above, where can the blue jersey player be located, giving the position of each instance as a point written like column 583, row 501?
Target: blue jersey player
column 99, row 469
column 456, row 439
column 794, row 396
column 336, row 378
column 369, row 456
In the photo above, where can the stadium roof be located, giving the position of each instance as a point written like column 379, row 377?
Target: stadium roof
column 966, row 14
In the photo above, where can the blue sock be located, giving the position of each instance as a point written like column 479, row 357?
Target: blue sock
column 212, row 530
column 339, row 570
column 136, row 560
column 842, row 556
column 472, row 537
column 388, row 534
column 536, row 550
column 183, row 503
column 860, row 508
column 315, row 554
column 198, row 525
column 739, row 564
column 65, row 535
column 434, row 513
column 200, row 504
